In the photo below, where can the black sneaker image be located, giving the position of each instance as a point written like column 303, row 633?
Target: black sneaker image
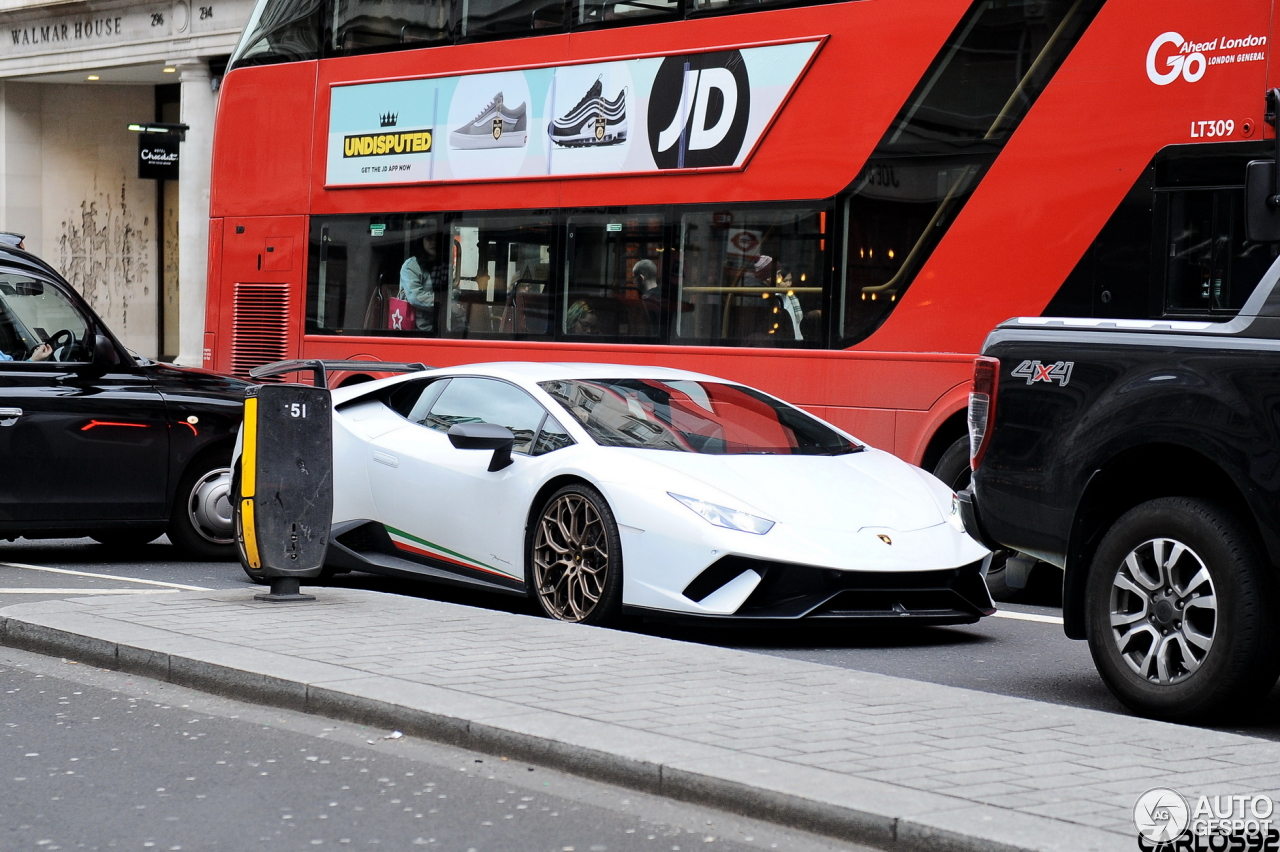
column 594, row 121
column 497, row 126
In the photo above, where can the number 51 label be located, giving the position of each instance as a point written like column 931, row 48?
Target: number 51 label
column 298, row 409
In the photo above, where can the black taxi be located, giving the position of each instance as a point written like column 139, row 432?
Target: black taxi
column 95, row 441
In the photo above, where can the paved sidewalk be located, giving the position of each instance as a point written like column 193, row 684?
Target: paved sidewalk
column 880, row 760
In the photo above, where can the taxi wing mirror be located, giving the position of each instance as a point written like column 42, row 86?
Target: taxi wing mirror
column 484, row 436
column 104, row 351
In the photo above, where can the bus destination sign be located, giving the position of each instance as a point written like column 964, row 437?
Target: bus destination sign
column 696, row 111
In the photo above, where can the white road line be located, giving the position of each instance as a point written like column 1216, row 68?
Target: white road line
column 1027, row 616
column 30, row 591
column 105, row 577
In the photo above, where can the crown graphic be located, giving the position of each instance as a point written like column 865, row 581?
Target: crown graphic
column 388, row 119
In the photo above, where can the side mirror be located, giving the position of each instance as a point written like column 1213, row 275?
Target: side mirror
column 1261, row 203
column 104, row 353
column 484, row 436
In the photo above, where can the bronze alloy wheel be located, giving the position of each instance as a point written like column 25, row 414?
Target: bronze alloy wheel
column 576, row 557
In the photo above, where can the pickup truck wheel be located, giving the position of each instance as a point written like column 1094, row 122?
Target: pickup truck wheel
column 1181, row 611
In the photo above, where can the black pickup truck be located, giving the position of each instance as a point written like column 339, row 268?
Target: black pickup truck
column 1143, row 458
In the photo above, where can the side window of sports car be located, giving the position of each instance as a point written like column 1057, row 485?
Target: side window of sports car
column 551, row 437
column 479, row 400
column 412, row 400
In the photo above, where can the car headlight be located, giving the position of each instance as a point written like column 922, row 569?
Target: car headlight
column 723, row 516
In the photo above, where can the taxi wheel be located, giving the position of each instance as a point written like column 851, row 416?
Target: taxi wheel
column 575, row 558
column 200, row 525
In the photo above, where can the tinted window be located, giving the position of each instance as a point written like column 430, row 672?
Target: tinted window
column 980, row 85
column 39, row 323
column 499, row 277
column 365, row 24
column 280, row 31
column 490, row 18
column 588, row 12
column 614, row 281
column 476, row 400
column 1211, row 267
column 693, row 417
column 383, row 274
column 551, row 438
column 751, row 277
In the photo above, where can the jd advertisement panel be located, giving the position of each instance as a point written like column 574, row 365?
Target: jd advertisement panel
column 630, row 116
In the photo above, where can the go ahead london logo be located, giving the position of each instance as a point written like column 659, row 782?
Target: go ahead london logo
column 1171, row 56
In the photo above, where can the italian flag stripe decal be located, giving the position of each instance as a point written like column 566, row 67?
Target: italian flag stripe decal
column 412, row 544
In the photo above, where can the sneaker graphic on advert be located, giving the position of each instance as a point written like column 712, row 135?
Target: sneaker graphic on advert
column 497, row 126
column 594, row 121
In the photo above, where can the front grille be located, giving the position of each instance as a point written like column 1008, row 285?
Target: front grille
column 259, row 333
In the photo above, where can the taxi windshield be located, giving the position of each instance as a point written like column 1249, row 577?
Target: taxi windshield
column 693, row 417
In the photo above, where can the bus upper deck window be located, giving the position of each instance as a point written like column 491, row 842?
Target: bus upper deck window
column 605, row 12
column 479, row 19
column 360, row 25
column 279, row 31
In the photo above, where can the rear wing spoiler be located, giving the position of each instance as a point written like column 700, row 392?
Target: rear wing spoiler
column 320, row 369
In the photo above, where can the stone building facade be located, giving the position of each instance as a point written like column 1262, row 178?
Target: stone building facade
column 73, row 77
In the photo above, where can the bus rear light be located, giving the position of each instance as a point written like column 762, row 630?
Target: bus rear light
column 982, row 406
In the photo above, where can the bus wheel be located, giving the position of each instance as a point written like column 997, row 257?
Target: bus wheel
column 1180, row 611
column 953, row 469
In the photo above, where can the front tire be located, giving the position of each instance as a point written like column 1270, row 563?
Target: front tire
column 201, row 524
column 1180, row 611
column 575, row 558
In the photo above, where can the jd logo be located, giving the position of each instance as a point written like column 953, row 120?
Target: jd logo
column 698, row 110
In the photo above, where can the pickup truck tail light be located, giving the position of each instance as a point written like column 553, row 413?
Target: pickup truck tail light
column 982, row 406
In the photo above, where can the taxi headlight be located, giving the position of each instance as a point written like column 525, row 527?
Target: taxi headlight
column 723, row 516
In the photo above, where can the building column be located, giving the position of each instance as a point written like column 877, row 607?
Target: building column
column 195, row 162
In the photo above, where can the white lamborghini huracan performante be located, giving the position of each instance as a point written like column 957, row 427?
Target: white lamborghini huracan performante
column 599, row 488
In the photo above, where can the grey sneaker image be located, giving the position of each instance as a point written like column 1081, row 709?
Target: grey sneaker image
column 497, row 126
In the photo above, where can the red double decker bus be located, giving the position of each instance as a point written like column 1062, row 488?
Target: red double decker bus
column 833, row 202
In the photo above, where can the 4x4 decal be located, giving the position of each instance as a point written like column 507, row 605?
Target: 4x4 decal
column 1034, row 371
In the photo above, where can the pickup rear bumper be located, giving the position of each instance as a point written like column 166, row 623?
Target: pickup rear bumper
column 973, row 519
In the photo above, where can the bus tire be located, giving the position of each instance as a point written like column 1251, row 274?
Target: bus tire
column 1181, row 611
column 954, row 471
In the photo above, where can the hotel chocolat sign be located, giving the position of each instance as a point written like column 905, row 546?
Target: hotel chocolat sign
column 157, row 156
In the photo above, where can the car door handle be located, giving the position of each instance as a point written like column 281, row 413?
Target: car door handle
column 388, row 460
column 9, row 416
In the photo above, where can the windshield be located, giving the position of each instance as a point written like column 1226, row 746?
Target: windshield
column 693, row 417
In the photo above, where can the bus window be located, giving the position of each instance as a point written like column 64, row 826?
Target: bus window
column 1211, row 267
column 893, row 218
column 480, row 19
column 381, row 275
column 588, row 12
column 279, row 31
column 614, row 275
column 369, row 24
column 751, row 277
column 499, row 277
